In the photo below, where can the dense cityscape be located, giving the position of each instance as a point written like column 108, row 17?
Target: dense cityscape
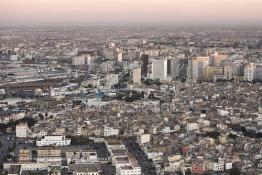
column 130, row 87
column 130, row 101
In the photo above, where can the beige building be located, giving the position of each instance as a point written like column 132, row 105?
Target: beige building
column 137, row 76
column 228, row 72
column 210, row 72
column 198, row 66
column 22, row 130
column 25, row 155
column 49, row 155
column 219, row 58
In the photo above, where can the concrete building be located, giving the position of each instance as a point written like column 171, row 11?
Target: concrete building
column 85, row 169
column 137, row 76
column 217, row 58
column 258, row 72
column 25, row 155
column 192, row 127
column 219, row 166
column 53, row 141
column 22, row 130
column 145, row 61
column 211, row 72
column 112, row 79
column 49, row 155
column 78, row 60
column 228, row 72
column 81, row 155
column 249, row 72
column 143, row 138
column 198, row 66
column 159, row 69
column 119, row 57
column 110, row 131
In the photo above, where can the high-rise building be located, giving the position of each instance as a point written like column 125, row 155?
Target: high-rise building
column 238, row 69
column 145, row 61
column 216, row 59
column 169, row 67
column 249, row 72
column 159, row 69
column 253, row 72
column 174, row 68
column 228, row 72
column 119, row 56
column 258, row 72
column 198, row 66
column 89, row 59
column 211, row 72
column 190, row 69
column 179, row 67
column 137, row 76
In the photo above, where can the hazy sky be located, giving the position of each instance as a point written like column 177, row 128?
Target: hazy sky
column 130, row 12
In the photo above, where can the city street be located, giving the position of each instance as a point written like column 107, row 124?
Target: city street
column 7, row 142
column 146, row 165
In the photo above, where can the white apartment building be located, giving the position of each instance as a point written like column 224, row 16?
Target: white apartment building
column 112, row 79
column 78, row 60
column 198, row 66
column 64, row 90
column 87, row 173
column 143, row 138
column 89, row 60
column 159, row 69
column 129, row 170
column 119, row 56
column 79, row 130
column 53, row 141
column 22, row 130
column 32, row 166
column 249, row 72
column 223, row 112
column 40, row 134
column 192, row 127
column 110, row 131
column 81, row 156
column 219, row 166
column 154, row 155
column 124, row 163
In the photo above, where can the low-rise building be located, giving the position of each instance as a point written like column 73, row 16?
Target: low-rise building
column 22, row 130
column 53, row 141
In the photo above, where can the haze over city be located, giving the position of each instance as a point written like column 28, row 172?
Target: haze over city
column 130, row 87
column 130, row 12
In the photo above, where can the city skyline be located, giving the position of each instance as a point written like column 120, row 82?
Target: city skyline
column 131, row 87
column 130, row 12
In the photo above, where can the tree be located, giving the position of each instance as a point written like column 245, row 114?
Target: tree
column 232, row 136
column 234, row 171
column 188, row 172
column 41, row 116
column 30, row 121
